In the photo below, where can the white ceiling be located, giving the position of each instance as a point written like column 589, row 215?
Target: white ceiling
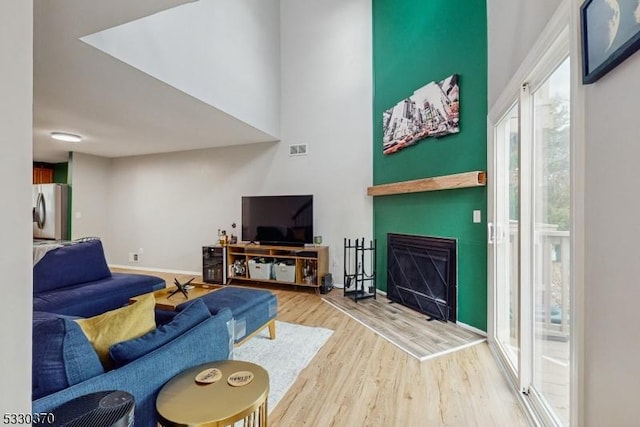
column 117, row 109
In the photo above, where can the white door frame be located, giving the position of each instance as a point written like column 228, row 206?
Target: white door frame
column 559, row 39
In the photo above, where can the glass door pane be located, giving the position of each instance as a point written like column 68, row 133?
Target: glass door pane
column 551, row 242
column 507, row 236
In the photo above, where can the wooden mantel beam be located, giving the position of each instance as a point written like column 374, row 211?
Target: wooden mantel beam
column 444, row 182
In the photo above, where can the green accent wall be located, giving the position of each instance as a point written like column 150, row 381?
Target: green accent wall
column 416, row 42
column 61, row 172
column 61, row 175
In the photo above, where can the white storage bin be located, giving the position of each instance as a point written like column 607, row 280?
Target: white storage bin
column 285, row 273
column 259, row 270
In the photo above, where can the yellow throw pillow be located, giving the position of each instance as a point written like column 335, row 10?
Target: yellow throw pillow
column 119, row 325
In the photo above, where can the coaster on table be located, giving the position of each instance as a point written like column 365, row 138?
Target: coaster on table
column 208, row 376
column 240, row 378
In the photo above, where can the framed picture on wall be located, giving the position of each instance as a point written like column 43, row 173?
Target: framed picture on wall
column 432, row 111
column 610, row 34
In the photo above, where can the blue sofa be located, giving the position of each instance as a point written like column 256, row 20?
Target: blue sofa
column 64, row 361
column 75, row 280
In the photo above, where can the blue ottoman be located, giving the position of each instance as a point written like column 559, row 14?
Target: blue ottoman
column 252, row 310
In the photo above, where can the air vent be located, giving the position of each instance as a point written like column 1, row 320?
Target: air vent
column 298, row 150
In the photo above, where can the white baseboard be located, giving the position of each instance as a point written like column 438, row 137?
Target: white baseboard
column 472, row 329
column 159, row 270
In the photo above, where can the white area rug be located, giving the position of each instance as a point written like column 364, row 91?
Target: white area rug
column 285, row 357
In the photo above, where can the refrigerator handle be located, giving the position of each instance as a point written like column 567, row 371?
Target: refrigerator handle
column 40, row 212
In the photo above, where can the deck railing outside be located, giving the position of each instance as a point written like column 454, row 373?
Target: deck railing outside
column 551, row 278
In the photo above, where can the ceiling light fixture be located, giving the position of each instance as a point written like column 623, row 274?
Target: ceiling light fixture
column 63, row 136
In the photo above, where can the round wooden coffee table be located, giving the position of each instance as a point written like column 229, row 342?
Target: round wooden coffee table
column 184, row 402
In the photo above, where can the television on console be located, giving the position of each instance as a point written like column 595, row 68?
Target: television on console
column 278, row 220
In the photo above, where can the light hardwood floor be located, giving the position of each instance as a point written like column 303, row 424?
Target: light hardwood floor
column 405, row 327
column 360, row 379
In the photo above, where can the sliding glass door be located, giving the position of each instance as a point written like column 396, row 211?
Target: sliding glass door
column 551, row 240
column 530, row 239
column 505, row 235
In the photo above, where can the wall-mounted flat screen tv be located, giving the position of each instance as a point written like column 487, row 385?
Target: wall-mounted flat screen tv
column 278, row 220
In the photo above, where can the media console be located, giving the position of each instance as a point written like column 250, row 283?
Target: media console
column 299, row 266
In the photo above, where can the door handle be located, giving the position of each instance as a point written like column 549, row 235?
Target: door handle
column 40, row 212
column 490, row 233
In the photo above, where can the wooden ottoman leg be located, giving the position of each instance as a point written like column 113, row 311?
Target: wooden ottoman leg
column 272, row 329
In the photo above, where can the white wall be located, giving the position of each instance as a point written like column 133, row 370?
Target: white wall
column 171, row 204
column 224, row 53
column 327, row 94
column 513, row 27
column 90, row 178
column 16, row 83
column 612, row 224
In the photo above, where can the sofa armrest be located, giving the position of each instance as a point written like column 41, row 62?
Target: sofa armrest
column 144, row 377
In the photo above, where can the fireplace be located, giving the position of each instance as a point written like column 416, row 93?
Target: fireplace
column 422, row 274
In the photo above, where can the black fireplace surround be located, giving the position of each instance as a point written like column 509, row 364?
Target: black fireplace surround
column 422, row 274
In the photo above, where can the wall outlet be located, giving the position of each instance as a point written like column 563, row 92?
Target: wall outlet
column 134, row 257
column 477, row 216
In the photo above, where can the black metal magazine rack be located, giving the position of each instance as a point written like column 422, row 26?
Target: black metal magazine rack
column 359, row 269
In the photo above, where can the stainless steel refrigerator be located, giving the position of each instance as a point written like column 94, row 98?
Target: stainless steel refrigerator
column 50, row 220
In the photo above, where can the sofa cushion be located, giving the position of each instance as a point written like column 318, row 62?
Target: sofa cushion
column 144, row 377
column 119, row 325
column 93, row 298
column 42, row 316
column 70, row 265
column 62, row 355
column 164, row 316
column 128, row 351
